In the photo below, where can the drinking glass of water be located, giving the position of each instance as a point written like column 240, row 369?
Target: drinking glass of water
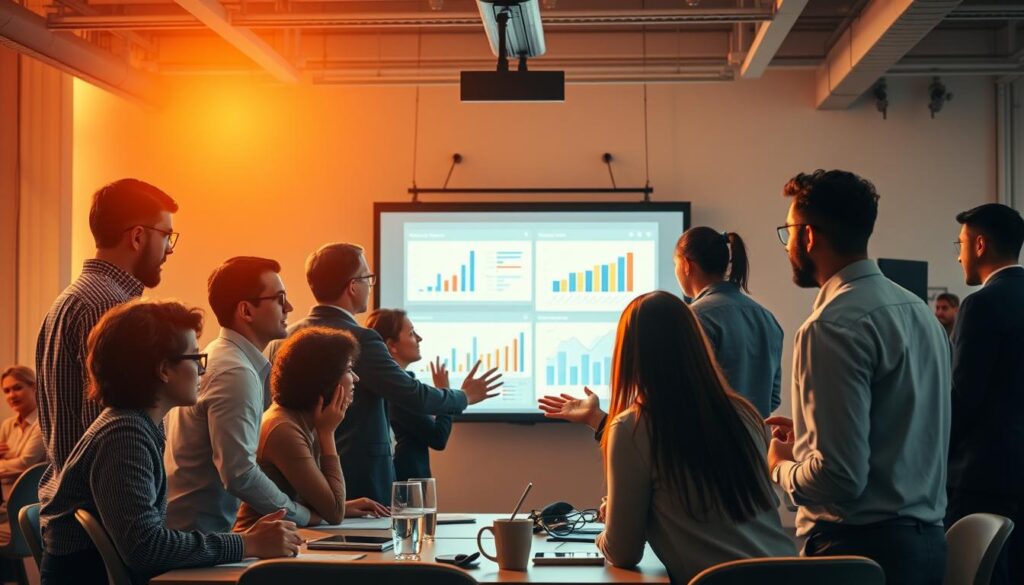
column 429, row 506
column 407, row 519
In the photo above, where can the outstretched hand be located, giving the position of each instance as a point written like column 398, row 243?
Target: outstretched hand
column 481, row 388
column 586, row 410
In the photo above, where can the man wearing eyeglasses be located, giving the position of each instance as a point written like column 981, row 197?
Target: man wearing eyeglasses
column 341, row 281
column 865, row 454
column 131, row 223
column 986, row 445
column 211, row 446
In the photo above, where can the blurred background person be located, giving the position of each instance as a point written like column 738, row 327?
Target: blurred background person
column 21, row 444
column 947, row 305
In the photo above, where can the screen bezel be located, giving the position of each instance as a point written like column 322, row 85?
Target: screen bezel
column 379, row 208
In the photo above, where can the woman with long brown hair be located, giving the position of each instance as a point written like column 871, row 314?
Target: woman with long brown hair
column 684, row 454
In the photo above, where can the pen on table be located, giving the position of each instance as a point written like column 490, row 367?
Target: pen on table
column 570, row 539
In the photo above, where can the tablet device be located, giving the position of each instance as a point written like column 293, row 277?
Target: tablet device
column 352, row 542
column 568, row 558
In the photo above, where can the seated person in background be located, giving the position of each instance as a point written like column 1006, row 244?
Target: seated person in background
column 312, row 383
column 415, row 432
column 21, row 445
column 684, row 454
column 745, row 337
column 142, row 361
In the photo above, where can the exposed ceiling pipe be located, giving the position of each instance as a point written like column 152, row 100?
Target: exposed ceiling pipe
column 26, row 32
column 402, row 20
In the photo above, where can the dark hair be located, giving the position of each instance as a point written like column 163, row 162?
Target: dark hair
column 1002, row 227
column 711, row 251
column 330, row 269
column 23, row 374
column 127, row 346
column 840, row 204
column 952, row 299
column 387, row 322
column 122, row 205
column 234, row 281
column 664, row 367
column 309, row 365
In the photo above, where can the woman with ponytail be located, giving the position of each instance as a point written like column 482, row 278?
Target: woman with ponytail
column 712, row 269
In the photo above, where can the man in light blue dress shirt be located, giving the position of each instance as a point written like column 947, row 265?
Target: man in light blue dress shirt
column 211, row 447
column 865, row 454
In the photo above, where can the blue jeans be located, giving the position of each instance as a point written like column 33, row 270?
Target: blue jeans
column 83, row 567
column 910, row 553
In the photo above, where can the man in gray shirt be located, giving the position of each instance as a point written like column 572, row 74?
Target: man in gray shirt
column 211, row 447
column 865, row 456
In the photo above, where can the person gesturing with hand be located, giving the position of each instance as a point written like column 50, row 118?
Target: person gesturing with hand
column 480, row 388
column 586, row 410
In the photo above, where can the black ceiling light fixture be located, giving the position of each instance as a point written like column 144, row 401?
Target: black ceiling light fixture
column 514, row 29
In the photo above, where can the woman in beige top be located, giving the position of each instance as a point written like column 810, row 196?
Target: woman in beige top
column 684, row 454
column 312, row 383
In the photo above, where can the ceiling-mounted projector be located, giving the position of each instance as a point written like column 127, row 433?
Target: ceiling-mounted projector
column 524, row 33
column 514, row 29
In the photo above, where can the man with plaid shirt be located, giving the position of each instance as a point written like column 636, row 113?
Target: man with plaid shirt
column 131, row 223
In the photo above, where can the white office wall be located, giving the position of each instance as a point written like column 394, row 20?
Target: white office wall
column 277, row 171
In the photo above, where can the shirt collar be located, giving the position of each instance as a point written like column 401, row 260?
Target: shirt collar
column 723, row 286
column 1000, row 270
column 252, row 353
column 350, row 315
column 853, row 271
column 28, row 420
column 128, row 283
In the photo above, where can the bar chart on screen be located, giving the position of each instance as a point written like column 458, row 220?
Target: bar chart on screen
column 505, row 346
column 458, row 271
column 593, row 276
column 574, row 355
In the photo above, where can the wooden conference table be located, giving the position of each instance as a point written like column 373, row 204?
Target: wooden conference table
column 452, row 539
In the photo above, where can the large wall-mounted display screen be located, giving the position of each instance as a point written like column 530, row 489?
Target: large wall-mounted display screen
column 535, row 290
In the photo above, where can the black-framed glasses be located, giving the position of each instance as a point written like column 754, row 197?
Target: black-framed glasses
column 783, row 231
column 281, row 298
column 198, row 358
column 371, row 279
column 956, row 245
column 172, row 236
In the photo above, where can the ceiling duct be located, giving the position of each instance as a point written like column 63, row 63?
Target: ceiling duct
column 26, row 32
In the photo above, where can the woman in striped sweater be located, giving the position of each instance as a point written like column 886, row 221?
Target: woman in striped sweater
column 142, row 361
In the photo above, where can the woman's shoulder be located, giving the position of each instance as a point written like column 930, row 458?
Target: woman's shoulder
column 282, row 424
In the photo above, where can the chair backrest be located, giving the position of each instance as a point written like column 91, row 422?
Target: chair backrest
column 25, row 492
column 28, row 520
column 974, row 543
column 310, row 570
column 847, row 570
column 117, row 572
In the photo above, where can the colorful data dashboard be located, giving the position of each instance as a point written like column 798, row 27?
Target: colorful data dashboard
column 532, row 290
